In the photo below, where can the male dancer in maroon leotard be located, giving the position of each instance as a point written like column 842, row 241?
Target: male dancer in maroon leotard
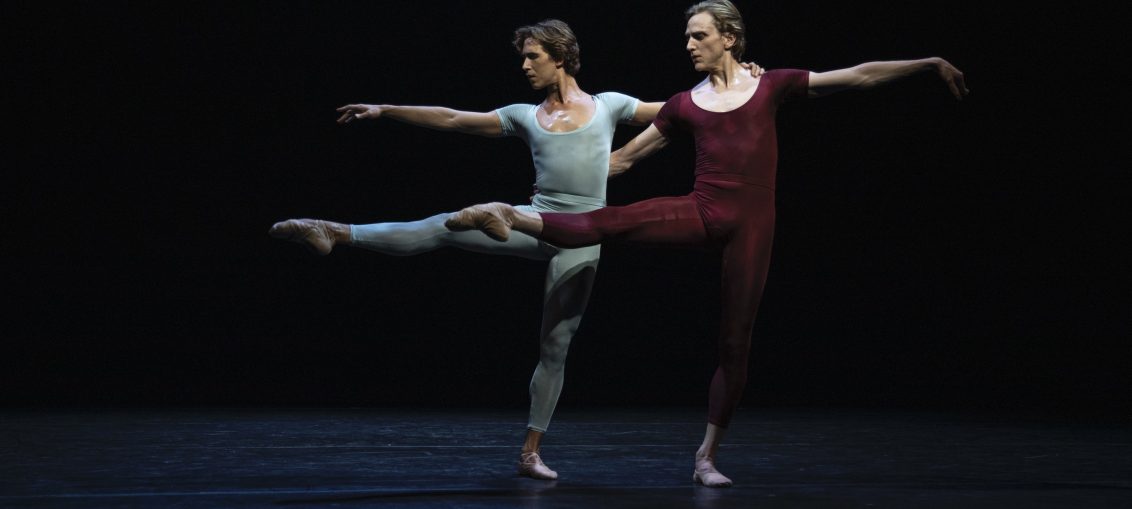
column 731, row 117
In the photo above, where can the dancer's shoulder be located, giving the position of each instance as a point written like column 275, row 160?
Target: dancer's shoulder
column 610, row 95
column 788, row 83
column 514, row 118
column 621, row 106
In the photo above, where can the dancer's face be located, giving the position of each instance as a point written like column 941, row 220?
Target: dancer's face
column 706, row 45
column 540, row 69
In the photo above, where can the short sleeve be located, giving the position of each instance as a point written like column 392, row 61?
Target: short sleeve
column 789, row 84
column 621, row 106
column 511, row 119
column 667, row 120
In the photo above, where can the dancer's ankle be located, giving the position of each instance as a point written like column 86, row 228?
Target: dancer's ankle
column 526, row 222
column 340, row 234
column 533, row 441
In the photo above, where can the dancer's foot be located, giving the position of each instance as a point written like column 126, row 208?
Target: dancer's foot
column 707, row 475
column 494, row 219
column 531, row 465
column 316, row 235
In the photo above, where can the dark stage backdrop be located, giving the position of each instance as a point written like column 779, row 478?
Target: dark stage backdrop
column 929, row 253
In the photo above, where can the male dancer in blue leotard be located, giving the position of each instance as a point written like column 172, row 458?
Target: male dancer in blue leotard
column 570, row 135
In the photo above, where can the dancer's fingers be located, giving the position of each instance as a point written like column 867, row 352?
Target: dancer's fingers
column 957, row 86
column 961, row 83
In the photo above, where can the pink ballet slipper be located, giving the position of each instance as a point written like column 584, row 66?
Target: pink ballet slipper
column 531, row 465
column 706, row 474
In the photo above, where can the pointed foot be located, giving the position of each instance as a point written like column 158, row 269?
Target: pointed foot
column 493, row 219
column 313, row 234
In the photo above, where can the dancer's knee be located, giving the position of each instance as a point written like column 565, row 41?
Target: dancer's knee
column 402, row 239
column 553, row 349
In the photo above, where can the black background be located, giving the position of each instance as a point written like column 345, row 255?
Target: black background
column 930, row 253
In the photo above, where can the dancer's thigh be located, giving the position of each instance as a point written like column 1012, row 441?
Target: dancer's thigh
column 668, row 220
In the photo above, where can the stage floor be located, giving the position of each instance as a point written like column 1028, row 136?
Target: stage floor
column 605, row 458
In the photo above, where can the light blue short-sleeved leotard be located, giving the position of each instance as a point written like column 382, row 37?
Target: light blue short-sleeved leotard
column 571, row 169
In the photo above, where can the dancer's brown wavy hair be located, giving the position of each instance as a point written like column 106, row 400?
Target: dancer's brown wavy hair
column 556, row 39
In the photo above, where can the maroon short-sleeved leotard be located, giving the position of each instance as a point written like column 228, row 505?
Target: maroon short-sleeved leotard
column 731, row 206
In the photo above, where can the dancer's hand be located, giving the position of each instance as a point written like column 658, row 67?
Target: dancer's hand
column 756, row 71
column 953, row 77
column 352, row 112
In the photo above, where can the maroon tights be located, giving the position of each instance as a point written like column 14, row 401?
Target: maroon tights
column 737, row 216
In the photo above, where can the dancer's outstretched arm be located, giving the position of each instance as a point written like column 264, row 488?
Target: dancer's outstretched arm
column 645, row 144
column 432, row 117
column 871, row 74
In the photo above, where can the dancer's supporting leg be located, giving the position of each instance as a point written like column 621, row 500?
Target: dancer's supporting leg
column 569, row 279
column 746, row 259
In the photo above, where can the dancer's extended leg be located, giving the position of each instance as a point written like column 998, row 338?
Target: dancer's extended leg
column 668, row 220
column 416, row 237
column 403, row 239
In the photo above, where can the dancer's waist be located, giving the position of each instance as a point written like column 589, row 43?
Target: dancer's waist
column 767, row 182
column 552, row 201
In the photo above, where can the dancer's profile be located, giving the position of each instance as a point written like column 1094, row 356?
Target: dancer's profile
column 731, row 117
column 570, row 136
